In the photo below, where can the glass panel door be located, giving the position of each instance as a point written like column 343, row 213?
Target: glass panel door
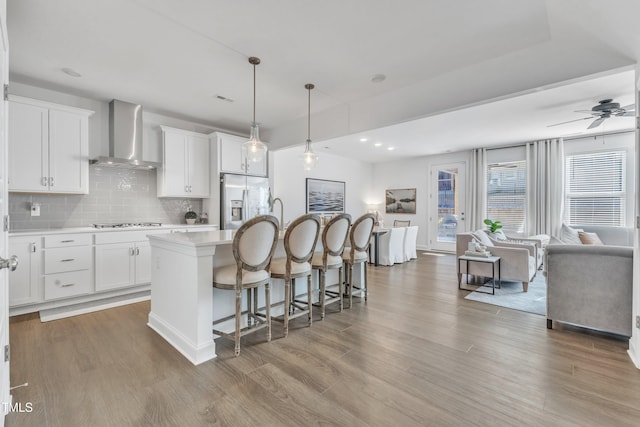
column 447, row 205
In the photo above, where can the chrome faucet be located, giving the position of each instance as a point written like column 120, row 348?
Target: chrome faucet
column 273, row 202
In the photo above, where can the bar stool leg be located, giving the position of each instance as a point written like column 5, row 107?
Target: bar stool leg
column 238, row 314
column 287, row 304
column 309, row 299
column 340, row 291
column 267, row 301
column 322, row 279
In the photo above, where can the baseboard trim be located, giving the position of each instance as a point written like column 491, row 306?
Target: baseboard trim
column 633, row 354
column 92, row 306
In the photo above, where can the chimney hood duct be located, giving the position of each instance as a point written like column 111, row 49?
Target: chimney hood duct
column 125, row 138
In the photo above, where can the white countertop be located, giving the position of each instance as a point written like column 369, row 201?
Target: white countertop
column 49, row 231
column 199, row 238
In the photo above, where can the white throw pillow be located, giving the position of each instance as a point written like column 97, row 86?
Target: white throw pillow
column 482, row 237
column 570, row 235
column 499, row 235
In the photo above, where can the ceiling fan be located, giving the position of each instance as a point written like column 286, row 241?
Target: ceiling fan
column 604, row 110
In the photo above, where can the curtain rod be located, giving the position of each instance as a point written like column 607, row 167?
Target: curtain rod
column 571, row 138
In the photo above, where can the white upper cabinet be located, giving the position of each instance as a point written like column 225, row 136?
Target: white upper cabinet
column 48, row 147
column 233, row 158
column 185, row 164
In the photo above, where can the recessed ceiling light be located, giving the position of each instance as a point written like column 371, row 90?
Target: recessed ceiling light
column 71, row 72
column 378, row 144
column 224, row 98
column 391, row 148
column 378, row 78
column 363, row 139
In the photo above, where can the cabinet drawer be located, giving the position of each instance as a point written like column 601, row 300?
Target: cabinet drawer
column 64, row 240
column 63, row 285
column 60, row 260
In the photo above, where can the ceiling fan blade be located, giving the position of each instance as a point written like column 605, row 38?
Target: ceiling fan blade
column 629, row 107
column 585, row 111
column 627, row 114
column 597, row 122
column 570, row 121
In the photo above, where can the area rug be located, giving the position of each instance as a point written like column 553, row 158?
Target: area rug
column 510, row 295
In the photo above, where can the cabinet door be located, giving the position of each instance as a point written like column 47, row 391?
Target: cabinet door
column 231, row 156
column 199, row 167
column 68, row 152
column 25, row 283
column 114, row 266
column 143, row 263
column 28, row 148
column 174, row 171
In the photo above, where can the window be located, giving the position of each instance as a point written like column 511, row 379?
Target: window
column 507, row 194
column 595, row 188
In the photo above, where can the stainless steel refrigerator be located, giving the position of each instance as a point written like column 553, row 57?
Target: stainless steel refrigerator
column 242, row 198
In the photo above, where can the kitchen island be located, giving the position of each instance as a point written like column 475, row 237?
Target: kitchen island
column 183, row 301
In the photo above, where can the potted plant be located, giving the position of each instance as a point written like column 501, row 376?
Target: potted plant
column 495, row 229
column 493, row 225
column 190, row 217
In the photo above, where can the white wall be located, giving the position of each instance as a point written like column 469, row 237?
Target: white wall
column 411, row 173
column 634, row 342
column 289, row 181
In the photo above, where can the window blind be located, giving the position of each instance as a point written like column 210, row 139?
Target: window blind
column 507, row 194
column 595, row 188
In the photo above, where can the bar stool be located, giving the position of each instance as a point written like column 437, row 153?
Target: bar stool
column 253, row 247
column 334, row 237
column 360, row 238
column 299, row 244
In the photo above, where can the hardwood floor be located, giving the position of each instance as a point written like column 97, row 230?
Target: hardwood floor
column 417, row 353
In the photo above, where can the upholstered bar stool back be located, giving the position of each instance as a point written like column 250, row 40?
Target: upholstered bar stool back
column 359, row 238
column 334, row 238
column 253, row 246
column 299, row 243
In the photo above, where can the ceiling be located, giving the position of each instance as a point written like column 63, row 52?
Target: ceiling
column 458, row 74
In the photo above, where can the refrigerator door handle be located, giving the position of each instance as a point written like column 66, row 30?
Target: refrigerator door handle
column 245, row 207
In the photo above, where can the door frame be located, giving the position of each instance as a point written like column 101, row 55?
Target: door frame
column 434, row 244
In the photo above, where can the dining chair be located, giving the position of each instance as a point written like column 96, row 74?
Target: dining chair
column 410, row 240
column 334, row 238
column 356, row 253
column 391, row 249
column 253, row 246
column 401, row 223
column 299, row 244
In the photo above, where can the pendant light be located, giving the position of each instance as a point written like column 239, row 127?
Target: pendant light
column 255, row 150
column 309, row 158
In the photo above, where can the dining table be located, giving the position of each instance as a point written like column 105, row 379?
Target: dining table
column 377, row 232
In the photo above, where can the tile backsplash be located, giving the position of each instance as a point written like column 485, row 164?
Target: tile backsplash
column 115, row 195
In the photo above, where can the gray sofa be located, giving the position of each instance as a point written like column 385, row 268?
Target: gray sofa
column 591, row 285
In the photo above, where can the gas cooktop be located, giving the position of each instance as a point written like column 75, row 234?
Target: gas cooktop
column 128, row 225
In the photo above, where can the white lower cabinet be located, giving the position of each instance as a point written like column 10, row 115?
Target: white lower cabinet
column 68, row 266
column 25, row 283
column 80, row 266
column 122, row 259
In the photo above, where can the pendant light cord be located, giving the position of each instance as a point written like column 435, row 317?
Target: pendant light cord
column 254, row 93
column 309, row 116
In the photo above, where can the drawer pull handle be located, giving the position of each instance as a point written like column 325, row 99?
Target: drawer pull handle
column 67, row 260
column 66, row 285
column 67, row 241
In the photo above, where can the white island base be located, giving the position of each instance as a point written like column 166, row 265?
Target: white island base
column 183, row 301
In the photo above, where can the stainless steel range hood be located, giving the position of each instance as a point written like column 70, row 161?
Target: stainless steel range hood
column 125, row 138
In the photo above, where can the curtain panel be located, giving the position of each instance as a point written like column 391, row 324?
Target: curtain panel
column 477, row 194
column 545, row 186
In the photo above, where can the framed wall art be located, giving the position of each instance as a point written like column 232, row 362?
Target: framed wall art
column 324, row 196
column 400, row 201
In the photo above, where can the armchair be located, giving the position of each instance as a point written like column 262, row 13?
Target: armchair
column 517, row 261
column 534, row 244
